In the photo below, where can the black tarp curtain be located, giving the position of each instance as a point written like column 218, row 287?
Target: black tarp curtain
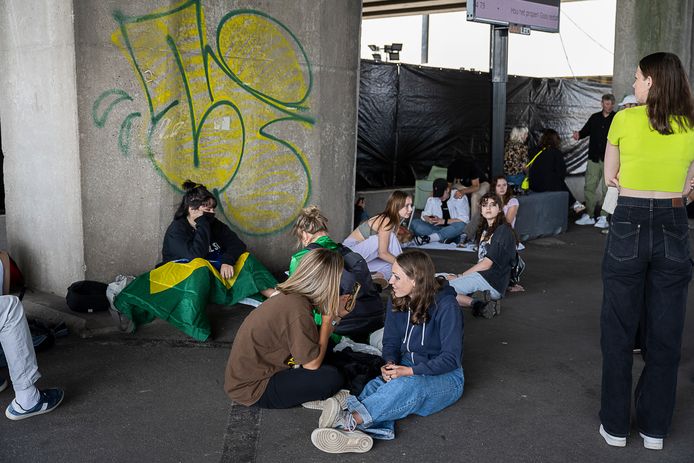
column 412, row 117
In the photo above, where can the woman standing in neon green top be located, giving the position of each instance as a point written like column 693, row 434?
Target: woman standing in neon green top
column 647, row 261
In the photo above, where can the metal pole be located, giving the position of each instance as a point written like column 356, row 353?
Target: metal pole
column 499, row 73
column 425, row 39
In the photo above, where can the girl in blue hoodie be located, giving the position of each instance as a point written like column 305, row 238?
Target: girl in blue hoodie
column 422, row 347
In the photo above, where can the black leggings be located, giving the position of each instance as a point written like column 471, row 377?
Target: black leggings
column 294, row 386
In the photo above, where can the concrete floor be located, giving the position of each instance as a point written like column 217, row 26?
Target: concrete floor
column 532, row 386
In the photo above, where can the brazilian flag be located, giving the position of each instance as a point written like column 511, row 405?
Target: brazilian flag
column 179, row 292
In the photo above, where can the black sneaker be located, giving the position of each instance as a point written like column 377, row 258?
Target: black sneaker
column 420, row 240
column 480, row 299
column 491, row 309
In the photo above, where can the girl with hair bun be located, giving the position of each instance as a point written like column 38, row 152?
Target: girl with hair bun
column 204, row 261
column 311, row 232
column 196, row 233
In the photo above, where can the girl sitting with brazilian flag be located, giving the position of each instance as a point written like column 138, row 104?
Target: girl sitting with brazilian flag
column 204, row 262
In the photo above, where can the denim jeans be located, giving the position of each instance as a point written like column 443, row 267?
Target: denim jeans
column 472, row 282
column 646, row 268
column 381, row 403
column 516, row 179
column 450, row 231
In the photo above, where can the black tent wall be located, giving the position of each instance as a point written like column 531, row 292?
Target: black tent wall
column 413, row 117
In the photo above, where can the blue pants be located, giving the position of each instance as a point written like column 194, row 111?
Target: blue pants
column 646, row 268
column 381, row 403
column 450, row 231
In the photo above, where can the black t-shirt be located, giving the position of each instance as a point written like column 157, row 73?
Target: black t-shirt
column 501, row 250
column 463, row 170
column 444, row 210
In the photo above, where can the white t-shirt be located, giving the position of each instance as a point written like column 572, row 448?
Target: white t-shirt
column 512, row 202
column 457, row 208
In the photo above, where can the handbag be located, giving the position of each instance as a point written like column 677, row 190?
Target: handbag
column 516, row 270
column 525, row 185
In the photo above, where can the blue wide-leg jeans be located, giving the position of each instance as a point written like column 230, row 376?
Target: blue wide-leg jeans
column 452, row 231
column 381, row 403
column 646, row 266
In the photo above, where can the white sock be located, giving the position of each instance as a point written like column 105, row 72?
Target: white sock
column 27, row 398
column 434, row 237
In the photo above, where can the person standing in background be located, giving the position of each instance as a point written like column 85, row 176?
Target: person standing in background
column 596, row 128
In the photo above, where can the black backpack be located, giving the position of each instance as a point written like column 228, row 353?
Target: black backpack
column 368, row 314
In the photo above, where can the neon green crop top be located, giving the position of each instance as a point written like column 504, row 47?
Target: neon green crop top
column 649, row 161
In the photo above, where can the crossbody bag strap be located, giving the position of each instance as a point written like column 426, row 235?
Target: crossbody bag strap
column 535, row 157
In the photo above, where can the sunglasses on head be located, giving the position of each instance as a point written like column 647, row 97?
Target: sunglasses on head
column 352, row 299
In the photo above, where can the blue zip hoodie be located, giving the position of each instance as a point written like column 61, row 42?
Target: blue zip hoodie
column 434, row 347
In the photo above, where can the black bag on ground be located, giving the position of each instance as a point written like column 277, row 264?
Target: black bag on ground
column 358, row 368
column 87, row 296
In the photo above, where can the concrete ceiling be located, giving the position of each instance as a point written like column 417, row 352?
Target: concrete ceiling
column 388, row 8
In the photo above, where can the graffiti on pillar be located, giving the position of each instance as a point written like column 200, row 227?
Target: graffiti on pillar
column 214, row 112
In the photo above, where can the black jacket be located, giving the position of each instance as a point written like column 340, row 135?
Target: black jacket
column 597, row 128
column 548, row 171
column 182, row 241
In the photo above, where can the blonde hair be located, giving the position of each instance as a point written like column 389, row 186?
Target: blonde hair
column 317, row 278
column 518, row 134
column 310, row 220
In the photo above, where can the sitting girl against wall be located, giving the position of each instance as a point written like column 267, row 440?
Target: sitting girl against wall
column 203, row 262
column 196, row 233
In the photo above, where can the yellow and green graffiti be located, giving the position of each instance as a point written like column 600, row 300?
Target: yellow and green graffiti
column 213, row 114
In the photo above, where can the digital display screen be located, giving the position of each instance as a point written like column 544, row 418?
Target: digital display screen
column 541, row 15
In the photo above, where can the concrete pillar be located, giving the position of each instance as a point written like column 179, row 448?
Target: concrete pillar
column 644, row 27
column 255, row 99
column 40, row 140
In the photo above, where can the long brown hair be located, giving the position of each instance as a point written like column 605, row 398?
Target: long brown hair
column 670, row 97
column 317, row 278
column 310, row 220
column 550, row 139
column 499, row 220
column 396, row 201
column 509, row 194
column 418, row 266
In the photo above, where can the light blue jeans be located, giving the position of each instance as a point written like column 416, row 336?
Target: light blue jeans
column 381, row 403
column 16, row 342
column 472, row 282
column 450, row 231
